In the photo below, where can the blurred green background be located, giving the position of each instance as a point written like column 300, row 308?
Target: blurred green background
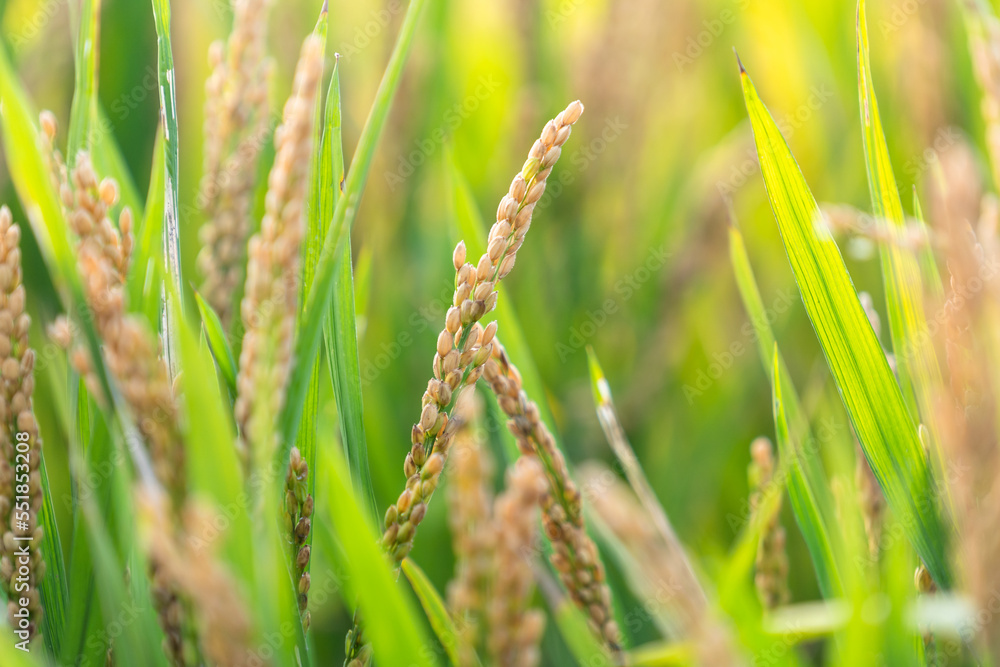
column 629, row 253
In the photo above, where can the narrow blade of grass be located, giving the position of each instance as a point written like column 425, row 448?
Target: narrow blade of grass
column 83, row 113
column 91, row 451
column 218, row 344
column 916, row 363
column 53, row 587
column 808, row 486
column 144, row 290
column 306, row 440
column 109, row 570
column 815, row 525
column 321, row 293
column 391, row 621
column 615, row 434
column 859, row 367
column 340, row 328
column 168, row 120
column 435, row 609
column 213, row 465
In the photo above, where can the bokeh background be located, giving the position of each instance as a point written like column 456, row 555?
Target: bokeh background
column 630, row 253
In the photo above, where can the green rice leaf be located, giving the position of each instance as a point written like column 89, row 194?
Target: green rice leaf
column 340, row 328
column 808, row 488
column 144, row 274
column 217, row 342
column 313, row 243
column 168, row 120
column 391, row 621
column 53, row 587
column 214, row 468
column 814, row 517
column 83, row 113
column 473, row 230
column 437, row 613
column 110, row 541
column 323, row 288
column 870, row 393
column 916, row 363
column 90, row 452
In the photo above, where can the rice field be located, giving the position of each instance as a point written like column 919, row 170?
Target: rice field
column 716, row 385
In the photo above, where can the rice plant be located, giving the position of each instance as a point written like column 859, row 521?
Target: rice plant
column 233, row 235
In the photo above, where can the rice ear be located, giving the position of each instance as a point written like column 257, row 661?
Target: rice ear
column 470, row 501
column 515, row 630
column 19, row 437
column 575, row 555
column 270, row 299
column 236, row 128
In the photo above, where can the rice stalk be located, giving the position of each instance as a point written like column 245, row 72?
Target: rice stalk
column 236, row 125
column 607, row 415
column 515, row 630
column 298, row 520
column 665, row 569
column 463, row 346
column 575, row 556
column 270, row 300
column 130, row 349
column 470, row 501
column 21, row 446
